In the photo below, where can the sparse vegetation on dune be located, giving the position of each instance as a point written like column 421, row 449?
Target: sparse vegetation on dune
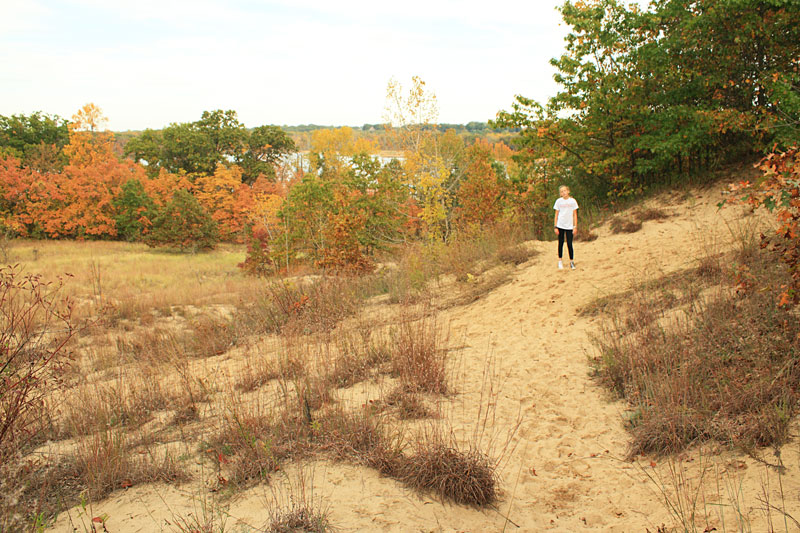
column 704, row 354
column 224, row 390
column 140, row 379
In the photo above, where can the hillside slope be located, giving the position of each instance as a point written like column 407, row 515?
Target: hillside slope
column 523, row 349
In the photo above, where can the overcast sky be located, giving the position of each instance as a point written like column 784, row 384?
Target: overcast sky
column 148, row 63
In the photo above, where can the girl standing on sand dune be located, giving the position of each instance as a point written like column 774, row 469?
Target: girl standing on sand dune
column 566, row 223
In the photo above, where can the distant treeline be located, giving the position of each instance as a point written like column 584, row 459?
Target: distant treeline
column 472, row 127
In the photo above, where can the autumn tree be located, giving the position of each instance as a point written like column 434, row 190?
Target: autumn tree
column 480, row 198
column 226, row 199
column 263, row 227
column 413, row 117
column 161, row 187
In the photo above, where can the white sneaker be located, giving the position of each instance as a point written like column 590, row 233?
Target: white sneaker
column 560, row 265
column 572, row 265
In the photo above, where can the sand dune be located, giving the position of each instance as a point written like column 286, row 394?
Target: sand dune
column 566, row 467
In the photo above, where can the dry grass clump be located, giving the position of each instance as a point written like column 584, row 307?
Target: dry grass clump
column 477, row 287
column 252, row 442
column 726, row 369
column 298, row 518
column 203, row 337
column 418, row 356
column 464, row 477
column 585, row 235
column 620, row 225
column 354, row 358
column 299, row 308
column 650, row 213
column 710, row 267
column 97, row 406
column 408, row 404
column 260, row 370
column 516, row 254
column 655, row 296
column 104, row 463
column 359, row 437
column 33, row 491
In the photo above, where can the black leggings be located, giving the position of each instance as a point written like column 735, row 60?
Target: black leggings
column 561, row 234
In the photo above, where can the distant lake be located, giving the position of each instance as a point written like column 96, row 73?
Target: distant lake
column 300, row 159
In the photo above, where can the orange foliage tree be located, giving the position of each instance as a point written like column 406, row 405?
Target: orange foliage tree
column 226, row 198
column 480, row 195
column 161, row 187
column 76, row 202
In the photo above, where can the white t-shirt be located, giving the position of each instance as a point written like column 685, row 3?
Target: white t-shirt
column 565, row 209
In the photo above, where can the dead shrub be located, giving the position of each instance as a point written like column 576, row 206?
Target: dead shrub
column 585, row 236
column 36, row 327
column 620, row 225
column 464, row 477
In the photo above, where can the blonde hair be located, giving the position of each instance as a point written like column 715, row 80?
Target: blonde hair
column 562, row 187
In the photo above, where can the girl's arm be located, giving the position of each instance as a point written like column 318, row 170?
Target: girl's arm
column 555, row 223
column 575, row 220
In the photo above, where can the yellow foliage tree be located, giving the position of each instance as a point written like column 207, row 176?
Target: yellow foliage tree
column 88, row 143
column 332, row 149
column 413, row 118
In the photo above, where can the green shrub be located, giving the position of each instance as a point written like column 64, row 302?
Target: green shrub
column 183, row 224
column 135, row 210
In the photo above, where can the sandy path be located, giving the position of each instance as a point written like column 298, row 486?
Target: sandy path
column 567, row 470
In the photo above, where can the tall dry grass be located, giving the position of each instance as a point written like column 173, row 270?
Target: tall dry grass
column 716, row 364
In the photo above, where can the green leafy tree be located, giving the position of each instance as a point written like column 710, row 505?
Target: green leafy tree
column 218, row 138
column 135, row 211
column 36, row 140
column 647, row 94
column 183, row 224
column 304, row 216
column 265, row 145
column 147, row 148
